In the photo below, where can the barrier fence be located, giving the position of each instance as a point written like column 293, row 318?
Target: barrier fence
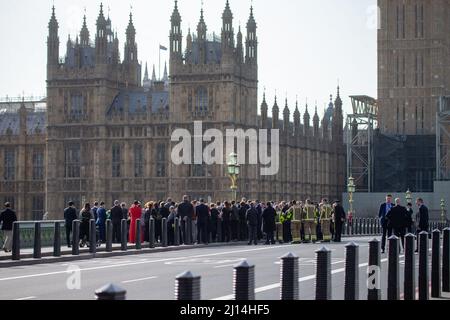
column 188, row 285
column 41, row 234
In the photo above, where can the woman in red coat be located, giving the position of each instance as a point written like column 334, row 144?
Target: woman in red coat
column 135, row 213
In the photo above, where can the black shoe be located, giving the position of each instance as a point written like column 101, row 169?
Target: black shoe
column 249, row 243
column 383, row 251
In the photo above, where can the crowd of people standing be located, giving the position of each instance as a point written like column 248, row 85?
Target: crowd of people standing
column 398, row 220
column 226, row 221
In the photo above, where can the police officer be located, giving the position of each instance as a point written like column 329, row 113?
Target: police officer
column 285, row 219
column 309, row 221
column 325, row 219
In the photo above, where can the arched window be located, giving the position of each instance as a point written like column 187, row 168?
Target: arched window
column 201, row 99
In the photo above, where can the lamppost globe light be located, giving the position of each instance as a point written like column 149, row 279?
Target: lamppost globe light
column 408, row 196
column 233, row 172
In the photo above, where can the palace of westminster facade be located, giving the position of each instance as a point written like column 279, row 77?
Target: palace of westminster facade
column 105, row 134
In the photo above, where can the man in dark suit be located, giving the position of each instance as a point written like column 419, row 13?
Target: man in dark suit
column 252, row 223
column 70, row 215
column 422, row 219
column 384, row 210
column 202, row 222
column 397, row 219
column 116, row 218
column 339, row 219
column 185, row 210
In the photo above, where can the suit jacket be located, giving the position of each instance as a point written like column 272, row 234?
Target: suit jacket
column 397, row 217
column 422, row 221
column 339, row 214
column 382, row 214
column 202, row 213
column 252, row 217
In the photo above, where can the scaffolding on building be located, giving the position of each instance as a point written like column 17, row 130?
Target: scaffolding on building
column 443, row 140
column 13, row 104
column 360, row 141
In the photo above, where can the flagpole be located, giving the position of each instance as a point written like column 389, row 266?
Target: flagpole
column 159, row 63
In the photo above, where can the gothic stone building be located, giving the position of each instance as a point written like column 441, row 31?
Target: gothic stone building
column 108, row 136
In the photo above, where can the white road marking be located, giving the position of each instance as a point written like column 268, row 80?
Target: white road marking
column 26, row 298
column 143, row 262
column 307, row 278
column 138, row 280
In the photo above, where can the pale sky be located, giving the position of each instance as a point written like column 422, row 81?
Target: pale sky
column 305, row 46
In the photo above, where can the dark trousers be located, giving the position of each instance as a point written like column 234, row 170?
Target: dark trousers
column 259, row 230
column 234, row 224
column 226, row 231
column 202, row 232
column 158, row 230
column 338, row 232
column 400, row 233
column 287, row 235
column 243, row 230
column 68, row 233
column 252, row 234
column 387, row 232
column 117, row 234
column 270, row 237
column 102, row 232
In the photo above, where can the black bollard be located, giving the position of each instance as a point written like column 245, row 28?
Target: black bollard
column 409, row 285
column 138, row 235
column 446, row 261
column 436, row 265
column 152, row 233
column 393, row 269
column 109, row 235
column 364, row 226
column 57, row 240
column 348, row 229
column 110, row 292
column 92, row 237
column 187, row 287
column 289, row 277
column 424, row 292
column 323, row 274
column 124, row 235
column 351, row 271
column 176, row 232
column 357, row 226
column 76, row 237
column 372, row 226
column 37, row 241
column 164, row 232
column 374, row 271
column 244, row 281
column 16, row 241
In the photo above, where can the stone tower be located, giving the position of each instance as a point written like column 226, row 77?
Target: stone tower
column 79, row 91
column 413, row 64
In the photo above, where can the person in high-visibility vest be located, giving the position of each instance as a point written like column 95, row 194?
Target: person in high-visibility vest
column 326, row 211
column 285, row 219
column 310, row 221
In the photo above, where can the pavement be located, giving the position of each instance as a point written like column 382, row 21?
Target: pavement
column 151, row 276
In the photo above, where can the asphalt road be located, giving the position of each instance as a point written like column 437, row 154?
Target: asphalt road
column 152, row 276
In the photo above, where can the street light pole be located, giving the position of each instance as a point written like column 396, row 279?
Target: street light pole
column 351, row 188
column 408, row 196
column 233, row 172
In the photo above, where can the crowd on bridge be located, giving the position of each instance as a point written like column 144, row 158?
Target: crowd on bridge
column 226, row 221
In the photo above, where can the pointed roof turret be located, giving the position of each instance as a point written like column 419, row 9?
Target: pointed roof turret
column 153, row 74
column 176, row 17
column 146, row 72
